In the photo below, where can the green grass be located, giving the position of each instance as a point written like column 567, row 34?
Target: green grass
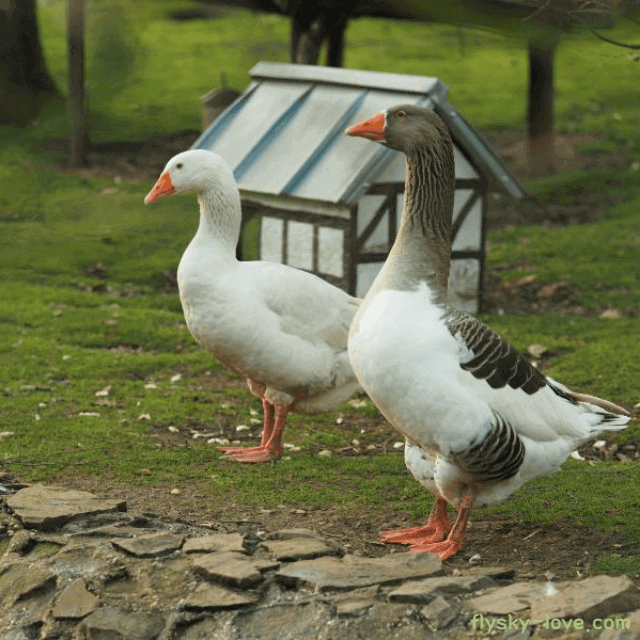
column 66, row 334
column 592, row 257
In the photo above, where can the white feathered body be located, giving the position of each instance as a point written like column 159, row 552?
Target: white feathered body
column 409, row 363
column 271, row 323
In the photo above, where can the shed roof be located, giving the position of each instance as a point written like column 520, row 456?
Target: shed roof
column 284, row 136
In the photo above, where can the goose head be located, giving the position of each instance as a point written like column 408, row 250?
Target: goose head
column 422, row 249
column 194, row 170
column 405, row 128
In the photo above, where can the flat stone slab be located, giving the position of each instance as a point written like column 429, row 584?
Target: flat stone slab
column 233, row 568
column 353, row 607
column 594, row 597
column 351, row 572
column 113, row 623
column 505, row 600
column 300, row 548
column 75, row 601
column 215, row 542
column 305, row 622
column 18, row 581
column 49, row 507
column 495, row 573
column 354, row 603
column 212, row 597
column 438, row 613
column 296, row 532
column 597, row 596
column 424, row 591
column 150, row 546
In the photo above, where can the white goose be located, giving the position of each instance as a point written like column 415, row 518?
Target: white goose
column 479, row 420
column 283, row 329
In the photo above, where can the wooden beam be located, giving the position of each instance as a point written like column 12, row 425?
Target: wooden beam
column 75, row 103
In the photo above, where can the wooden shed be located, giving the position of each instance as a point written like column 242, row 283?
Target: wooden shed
column 331, row 204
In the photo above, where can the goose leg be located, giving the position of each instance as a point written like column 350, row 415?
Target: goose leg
column 271, row 447
column 267, row 429
column 453, row 542
column 435, row 529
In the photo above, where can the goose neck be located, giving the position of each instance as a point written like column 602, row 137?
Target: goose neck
column 220, row 219
column 424, row 237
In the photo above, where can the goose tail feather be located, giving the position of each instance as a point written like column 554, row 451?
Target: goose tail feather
column 599, row 402
column 599, row 419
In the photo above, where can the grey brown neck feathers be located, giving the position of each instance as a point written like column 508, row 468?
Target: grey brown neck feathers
column 422, row 250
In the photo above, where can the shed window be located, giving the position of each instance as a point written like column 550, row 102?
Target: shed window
column 271, row 239
column 300, row 245
column 330, row 248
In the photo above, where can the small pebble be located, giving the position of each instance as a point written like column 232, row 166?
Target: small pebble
column 339, row 420
column 475, row 559
column 173, row 429
column 398, row 445
column 243, row 427
column 175, row 492
column 325, row 453
column 176, row 378
column 599, row 444
column 151, row 385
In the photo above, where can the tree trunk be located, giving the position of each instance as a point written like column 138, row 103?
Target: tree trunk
column 335, row 28
column 75, row 102
column 312, row 25
column 540, row 129
column 25, row 83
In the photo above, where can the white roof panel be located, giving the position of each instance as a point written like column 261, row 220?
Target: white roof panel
column 285, row 134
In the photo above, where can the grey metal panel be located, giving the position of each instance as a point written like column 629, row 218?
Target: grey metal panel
column 350, row 164
column 296, row 145
column 395, row 82
column 253, row 125
column 480, row 150
column 223, row 121
column 285, row 134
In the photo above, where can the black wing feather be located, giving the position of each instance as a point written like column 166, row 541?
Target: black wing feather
column 494, row 359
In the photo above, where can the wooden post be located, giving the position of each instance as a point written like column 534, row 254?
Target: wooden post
column 540, row 128
column 75, row 104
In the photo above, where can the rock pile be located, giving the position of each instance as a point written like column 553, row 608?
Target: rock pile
column 80, row 567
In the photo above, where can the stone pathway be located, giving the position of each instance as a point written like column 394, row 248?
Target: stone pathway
column 79, row 567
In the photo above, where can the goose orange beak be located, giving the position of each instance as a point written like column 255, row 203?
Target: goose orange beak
column 372, row 129
column 161, row 189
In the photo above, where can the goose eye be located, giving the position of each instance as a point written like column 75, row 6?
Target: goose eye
column 401, row 114
column 179, row 165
